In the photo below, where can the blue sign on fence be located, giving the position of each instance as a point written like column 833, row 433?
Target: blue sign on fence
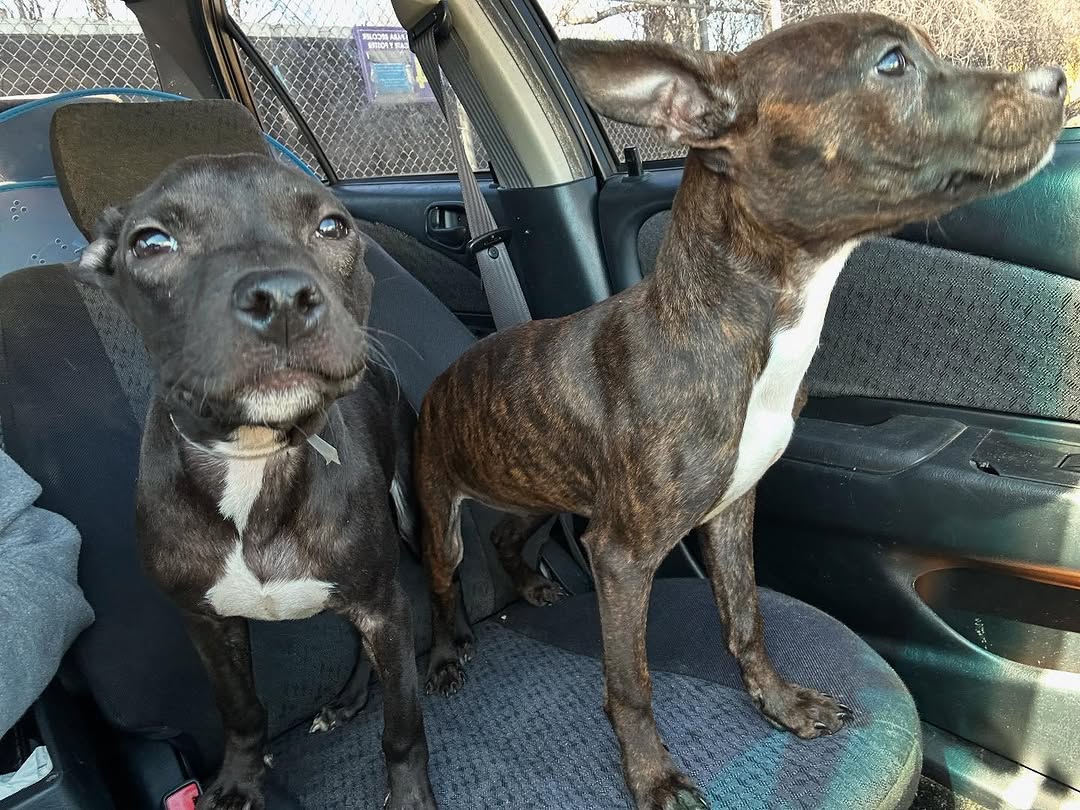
column 391, row 72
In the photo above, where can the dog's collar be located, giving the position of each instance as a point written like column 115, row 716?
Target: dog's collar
column 225, row 450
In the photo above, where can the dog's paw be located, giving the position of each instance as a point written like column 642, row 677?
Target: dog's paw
column 232, row 795
column 540, row 591
column 676, row 791
column 445, row 677
column 804, row 712
column 446, row 669
column 334, row 716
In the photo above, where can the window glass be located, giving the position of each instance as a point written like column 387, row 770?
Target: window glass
column 1000, row 34
column 348, row 68
column 49, row 46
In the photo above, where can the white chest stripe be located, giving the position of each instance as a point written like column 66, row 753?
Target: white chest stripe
column 243, row 483
column 238, row 591
column 768, row 426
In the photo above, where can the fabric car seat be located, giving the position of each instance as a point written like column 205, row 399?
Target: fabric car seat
column 528, row 729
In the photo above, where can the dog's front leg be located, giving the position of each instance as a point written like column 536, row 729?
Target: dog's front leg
column 386, row 626
column 225, row 650
column 727, row 545
column 623, row 584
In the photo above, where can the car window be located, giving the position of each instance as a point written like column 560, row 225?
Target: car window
column 1001, row 34
column 348, row 68
column 49, row 46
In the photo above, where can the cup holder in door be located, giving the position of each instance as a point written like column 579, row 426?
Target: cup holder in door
column 1014, row 617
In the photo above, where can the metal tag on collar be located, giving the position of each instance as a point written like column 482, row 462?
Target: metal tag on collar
column 324, row 449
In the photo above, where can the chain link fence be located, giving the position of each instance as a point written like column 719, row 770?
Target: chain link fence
column 313, row 49
column 311, row 46
column 50, row 47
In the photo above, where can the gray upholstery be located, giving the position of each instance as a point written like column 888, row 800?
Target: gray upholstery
column 528, row 730
column 925, row 324
column 932, row 325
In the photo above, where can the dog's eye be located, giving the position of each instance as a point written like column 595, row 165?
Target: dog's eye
column 894, row 63
column 152, row 242
column 332, row 227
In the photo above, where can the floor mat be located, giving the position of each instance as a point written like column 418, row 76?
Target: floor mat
column 934, row 796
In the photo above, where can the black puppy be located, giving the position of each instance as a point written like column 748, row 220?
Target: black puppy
column 273, row 451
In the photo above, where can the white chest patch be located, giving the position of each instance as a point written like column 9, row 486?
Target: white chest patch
column 240, row 593
column 768, row 426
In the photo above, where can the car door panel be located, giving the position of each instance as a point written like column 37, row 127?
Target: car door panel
column 551, row 227
column 935, row 562
column 398, row 214
column 930, row 497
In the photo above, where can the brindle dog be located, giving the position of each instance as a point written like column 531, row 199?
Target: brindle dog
column 656, row 411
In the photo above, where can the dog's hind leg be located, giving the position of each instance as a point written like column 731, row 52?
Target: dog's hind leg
column 352, row 698
column 623, row 582
column 510, row 536
column 452, row 639
column 727, row 546
column 402, row 491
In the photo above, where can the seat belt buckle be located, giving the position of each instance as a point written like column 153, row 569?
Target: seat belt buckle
column 489, row 239
column 438, row 18
column 183, row 798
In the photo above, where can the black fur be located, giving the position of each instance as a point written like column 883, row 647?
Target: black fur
column 236, row 224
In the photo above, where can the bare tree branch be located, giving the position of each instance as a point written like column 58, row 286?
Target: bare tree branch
column 99, row 9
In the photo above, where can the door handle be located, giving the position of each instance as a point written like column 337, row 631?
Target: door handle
column 446, row 223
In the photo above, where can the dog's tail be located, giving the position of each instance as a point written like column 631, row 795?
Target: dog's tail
column 402, row 491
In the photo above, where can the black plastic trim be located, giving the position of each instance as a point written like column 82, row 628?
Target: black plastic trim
column 76, row 783
column 897, row 444
column 402, row 204
column 234, row 30
column 854, row 543
column 556, row 246
column 625, row 204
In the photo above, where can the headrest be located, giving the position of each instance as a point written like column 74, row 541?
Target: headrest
column 105, row 154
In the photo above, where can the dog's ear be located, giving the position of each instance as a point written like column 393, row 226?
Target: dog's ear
column 688, row 97
column 94, row 266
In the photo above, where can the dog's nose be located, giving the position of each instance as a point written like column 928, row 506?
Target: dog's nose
column 279, row 305
column 1046, row 81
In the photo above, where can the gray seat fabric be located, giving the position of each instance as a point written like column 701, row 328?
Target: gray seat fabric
column 900, row 321
column 528, row 730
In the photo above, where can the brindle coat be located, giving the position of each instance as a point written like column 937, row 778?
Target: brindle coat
column 632, row 412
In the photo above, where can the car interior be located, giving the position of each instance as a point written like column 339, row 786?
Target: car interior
column 917, row 546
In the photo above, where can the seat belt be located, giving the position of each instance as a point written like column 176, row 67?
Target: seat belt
column 501, row 284
column 488, row 243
